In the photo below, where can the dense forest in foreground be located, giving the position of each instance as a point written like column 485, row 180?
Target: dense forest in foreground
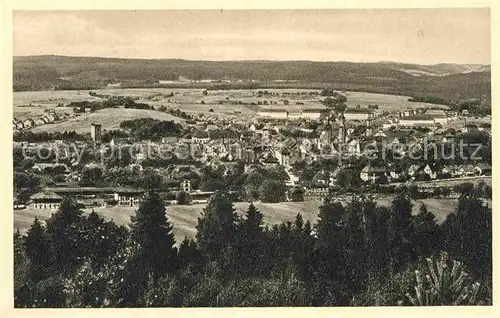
column 450, row 82
column 357, row 254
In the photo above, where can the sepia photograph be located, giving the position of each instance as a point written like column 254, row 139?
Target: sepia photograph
column 251, row 158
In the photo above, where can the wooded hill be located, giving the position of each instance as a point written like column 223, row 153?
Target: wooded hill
column 450, row 82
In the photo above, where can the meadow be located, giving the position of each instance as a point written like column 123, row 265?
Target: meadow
column 32, row 104
column 109, row 118
column 184, row 217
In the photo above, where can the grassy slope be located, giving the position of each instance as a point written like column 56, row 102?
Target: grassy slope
column 184, row 218
column 109, row 118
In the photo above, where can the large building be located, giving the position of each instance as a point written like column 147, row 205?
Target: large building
column 46, row 201
column 282, row 113
column 276, row 113
column 416, row 120
column 358, row 114
column 312, row 114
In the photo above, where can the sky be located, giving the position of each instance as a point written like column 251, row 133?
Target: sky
column 423, row 36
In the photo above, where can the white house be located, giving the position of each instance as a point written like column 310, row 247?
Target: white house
column 273, row 113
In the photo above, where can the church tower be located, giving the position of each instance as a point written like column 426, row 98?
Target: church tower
column 329, row 130
column 342, row 129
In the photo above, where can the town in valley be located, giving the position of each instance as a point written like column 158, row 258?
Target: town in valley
column 262, row 180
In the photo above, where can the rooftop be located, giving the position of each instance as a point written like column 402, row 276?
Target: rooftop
column 46, row 195
column 93, row 190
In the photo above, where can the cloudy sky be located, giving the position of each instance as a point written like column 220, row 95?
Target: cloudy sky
column 424, row 36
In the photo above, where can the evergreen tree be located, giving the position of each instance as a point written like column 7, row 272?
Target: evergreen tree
column 152, row 232
column 21, row 270
column 216, row 228
column 188, row 253
column 36, row 247
column 329, row 256
column 357, row 240
column 280, row 249
column 299, row 223
column 105, row 239
column 468, row 234
column 378, row 243
column 250, row 242
column 329, row 222
column 425, row 233
column 66, row 237
column 399, row 235
column 303, row 244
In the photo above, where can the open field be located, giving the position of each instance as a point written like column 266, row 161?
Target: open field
column 22, row 113
column 189, row 101
column 385, row 102
column 184, row 218
column 109, row 118
column 47, row 98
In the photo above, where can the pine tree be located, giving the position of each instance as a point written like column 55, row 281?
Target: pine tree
column 66, row 237
column 252, row 224
column 468, row 234
column 104, row 239
column 329, row 222
column 400, row 244
column 302, row 247
column 152, row 231
column 21, row 270
column 308, row 228
column 37, row 251
column 356, row 241
column 425, row 233
column 378, row 243
column 329, row 256
column 299, row 223
column 250, row 240
column 189, row 253
column 216, row 228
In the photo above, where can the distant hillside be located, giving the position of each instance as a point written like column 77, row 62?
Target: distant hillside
column 447, row 81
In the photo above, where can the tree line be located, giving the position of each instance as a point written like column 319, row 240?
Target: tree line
column 357, row 253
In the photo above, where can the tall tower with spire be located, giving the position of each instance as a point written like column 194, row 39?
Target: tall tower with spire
column 329, row 130
column 342, row 130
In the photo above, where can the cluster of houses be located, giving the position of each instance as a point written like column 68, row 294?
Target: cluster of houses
column 49, row 117
column 376, row 173
column 271, row 139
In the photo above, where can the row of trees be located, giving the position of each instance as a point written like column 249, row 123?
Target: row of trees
column 151, row 129
column 358, row 253
column 29, row 136
column 109, row 102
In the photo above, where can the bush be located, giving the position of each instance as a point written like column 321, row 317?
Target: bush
column 444, row 283
column 112, row 202
column 272, row 191
column 296, row 194
column 183, row 198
